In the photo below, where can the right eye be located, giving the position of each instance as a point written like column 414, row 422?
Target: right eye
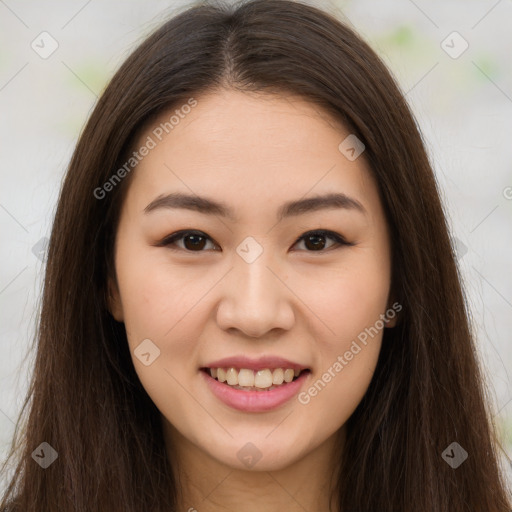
column 192, row 241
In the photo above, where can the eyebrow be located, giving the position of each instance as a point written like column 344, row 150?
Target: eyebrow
column 292, row 208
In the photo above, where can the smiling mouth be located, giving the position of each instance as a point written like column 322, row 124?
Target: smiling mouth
column 248, row 380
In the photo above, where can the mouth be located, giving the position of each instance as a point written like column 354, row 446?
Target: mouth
column 246, row 379
column 255, row 390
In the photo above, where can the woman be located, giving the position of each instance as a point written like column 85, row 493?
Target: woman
column 251, row 300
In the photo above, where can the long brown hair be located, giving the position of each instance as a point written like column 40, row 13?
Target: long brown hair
column 85, row 399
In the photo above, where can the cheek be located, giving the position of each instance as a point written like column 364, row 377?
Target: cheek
column 158, row 297
column 334, row 393
column 346, row 360
column 349, row 299
column 350, row 304
column 162, row 304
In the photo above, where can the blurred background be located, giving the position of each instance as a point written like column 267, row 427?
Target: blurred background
column 451, row 59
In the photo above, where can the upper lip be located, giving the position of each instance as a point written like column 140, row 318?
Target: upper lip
column 270, row 362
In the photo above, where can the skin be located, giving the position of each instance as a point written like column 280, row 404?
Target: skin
column 253, row 153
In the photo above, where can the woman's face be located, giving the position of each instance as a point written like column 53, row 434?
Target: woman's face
column 247, row 180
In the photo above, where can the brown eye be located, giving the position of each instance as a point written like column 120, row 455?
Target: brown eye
column 316, row 241
column 190, row 241
column 193, row 242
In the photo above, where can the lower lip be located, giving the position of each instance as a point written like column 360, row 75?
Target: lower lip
column 255, row 401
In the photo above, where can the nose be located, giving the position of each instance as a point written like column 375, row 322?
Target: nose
column 254, row 298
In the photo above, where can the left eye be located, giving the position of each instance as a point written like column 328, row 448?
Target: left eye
column 196, row 241
column 316, row 240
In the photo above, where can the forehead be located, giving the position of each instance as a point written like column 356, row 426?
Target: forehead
column 248, row 148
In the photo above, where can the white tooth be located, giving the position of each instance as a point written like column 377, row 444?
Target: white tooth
column 278, row 376
column 213, row 372
column 232, row 376
column 263, row 379
column 288, row 375
column 296, row 373
column 246, row 377
column 221, row 375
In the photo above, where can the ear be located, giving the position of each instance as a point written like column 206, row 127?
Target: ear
column 114, row 304
column 393, row 312
column 392, row 322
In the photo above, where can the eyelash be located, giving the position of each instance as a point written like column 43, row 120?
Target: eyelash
column 179, row 235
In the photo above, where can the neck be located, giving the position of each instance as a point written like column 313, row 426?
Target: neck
column 207, row 485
